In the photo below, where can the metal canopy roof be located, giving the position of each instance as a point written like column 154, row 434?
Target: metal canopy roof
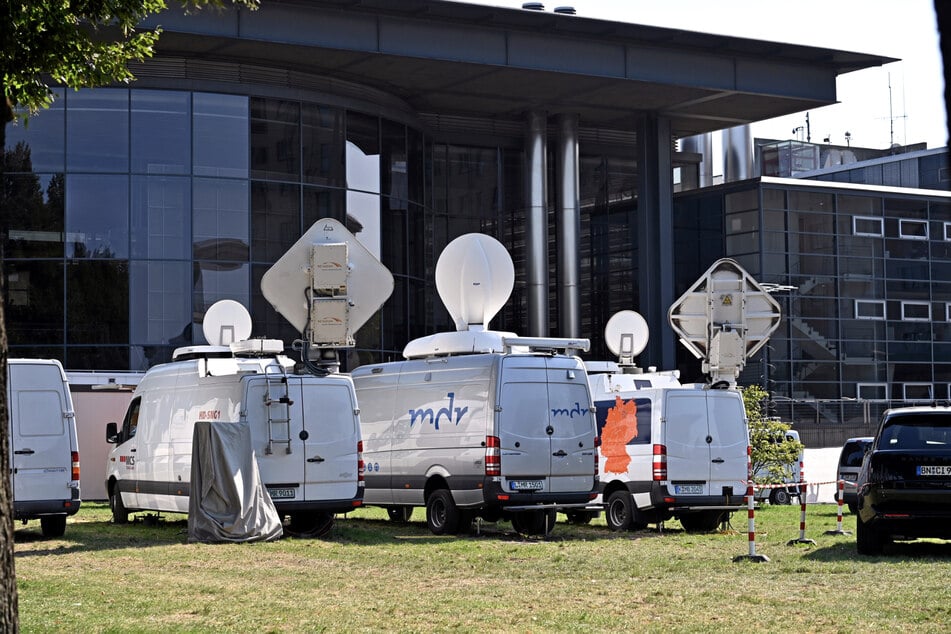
column 451, row 58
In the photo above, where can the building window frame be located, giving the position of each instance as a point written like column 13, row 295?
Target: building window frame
column 879, row 315
column 913, row 385
column 947, row 232
column 856, row 230
column 907, row 235
column 881, row 388
column 906, row 314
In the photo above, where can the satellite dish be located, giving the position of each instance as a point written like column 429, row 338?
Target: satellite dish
column 226, row 322
column 474, row 278
column 626, row 335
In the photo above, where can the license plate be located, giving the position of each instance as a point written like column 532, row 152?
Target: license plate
column 934, row 470
column 688, row 489
column 281, row 494
column 526, row 485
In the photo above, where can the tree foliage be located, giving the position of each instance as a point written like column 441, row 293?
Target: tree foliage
column 770, row 453
column 80, row 43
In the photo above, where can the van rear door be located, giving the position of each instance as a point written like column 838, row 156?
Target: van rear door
column 546, row 426
column 40, row 437
column 706, row 439
column 306, row 439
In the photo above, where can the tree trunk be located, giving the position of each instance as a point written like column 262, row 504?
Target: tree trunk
column 9, row 616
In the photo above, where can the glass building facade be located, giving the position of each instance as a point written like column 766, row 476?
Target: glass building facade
column 865, row 278
column 126, row 213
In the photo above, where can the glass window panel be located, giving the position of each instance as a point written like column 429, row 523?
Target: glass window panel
column 863, row 226
column 742, row 243
column 363, row 213
column 395, row 175
column 394, row 237
column 473, row 178
column 743, row 222
column 43, row 138
column 774, row 242
column 97, row 130
column 906, row 208
column 742, row 201
column 416, row 166
column 98, row 358
column 212, row 281
column 97, row 216
column 324, row 203
column 93, row 316
column 774, row 199
column 220, row 218
column 913, row 229
column 220, row 135
column 916, row 311
column 363, row 152
column 809, row 201
column 861, row 205
column 144, row 357
column 31, row 215
column 34, row 302
column 775, row 220
column 866, row 309
column 275, row 220
column 872, row 391
column 161, row 303
column 161, row 132
column 811, row 223
column 323, row 145
column 161, row 217
column 275, row 139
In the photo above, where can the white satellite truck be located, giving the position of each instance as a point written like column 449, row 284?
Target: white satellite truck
column 672, row 450
column 477, row 422
column 43, row 444
column 305, row 428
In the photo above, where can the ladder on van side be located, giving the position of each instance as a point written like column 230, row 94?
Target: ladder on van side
column 277, row 402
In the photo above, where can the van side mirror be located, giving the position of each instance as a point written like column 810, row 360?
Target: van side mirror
column 112, row 433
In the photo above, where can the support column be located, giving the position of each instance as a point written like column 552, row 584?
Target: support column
column 536, row 224
column 569, row 228
column 655, row 237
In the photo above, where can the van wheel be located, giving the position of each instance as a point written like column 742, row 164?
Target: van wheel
column 531, row 523
column 442, row 514
column 399, row 514
column 53, row 525
column 780, row 496
column 311, row 524
column 119, row 513
column 618, row 511
column 701, row 521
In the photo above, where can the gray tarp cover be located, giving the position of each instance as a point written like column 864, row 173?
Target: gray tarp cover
column 228, row 501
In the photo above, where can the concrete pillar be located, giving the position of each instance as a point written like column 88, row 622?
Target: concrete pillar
column 568, row 227
column 655, row 237
column 536, row 229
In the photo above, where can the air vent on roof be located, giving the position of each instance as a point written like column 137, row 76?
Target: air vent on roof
column 533, row 6
column 565, row 10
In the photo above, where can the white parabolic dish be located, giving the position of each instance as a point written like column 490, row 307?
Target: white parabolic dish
column 626, row 333
column 226, row 322
column 474, row 278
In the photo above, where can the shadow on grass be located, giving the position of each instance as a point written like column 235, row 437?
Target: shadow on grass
column 899, row 551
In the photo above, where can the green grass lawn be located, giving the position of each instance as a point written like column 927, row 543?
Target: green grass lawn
column 374, row 575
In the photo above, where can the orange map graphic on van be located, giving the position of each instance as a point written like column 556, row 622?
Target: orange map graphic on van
column 619, row 428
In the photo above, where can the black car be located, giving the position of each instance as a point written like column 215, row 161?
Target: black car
column 904, row 487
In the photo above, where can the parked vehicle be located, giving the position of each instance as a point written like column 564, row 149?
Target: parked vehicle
column 850, row 463
column 904, row 486
column 43, row 444
column 476, row 422
column 304, row 430
column 792, row 474
column 672, row 450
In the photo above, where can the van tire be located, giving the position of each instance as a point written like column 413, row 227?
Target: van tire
column 399, row 514
column 701, row 521
column 619, row 511
column 580, row 517
column 53, row 525
column 442, row 514
column 531, row 523
column 780, row 496
column 119, row 513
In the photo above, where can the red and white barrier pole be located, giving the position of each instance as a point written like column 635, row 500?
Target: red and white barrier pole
column 750, row 506
column 802, row 506
column 838, row 531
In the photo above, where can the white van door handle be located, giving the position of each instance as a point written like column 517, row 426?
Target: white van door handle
column 315, row 459
column 719, row 460
column 24, row 452
column 561, row 453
